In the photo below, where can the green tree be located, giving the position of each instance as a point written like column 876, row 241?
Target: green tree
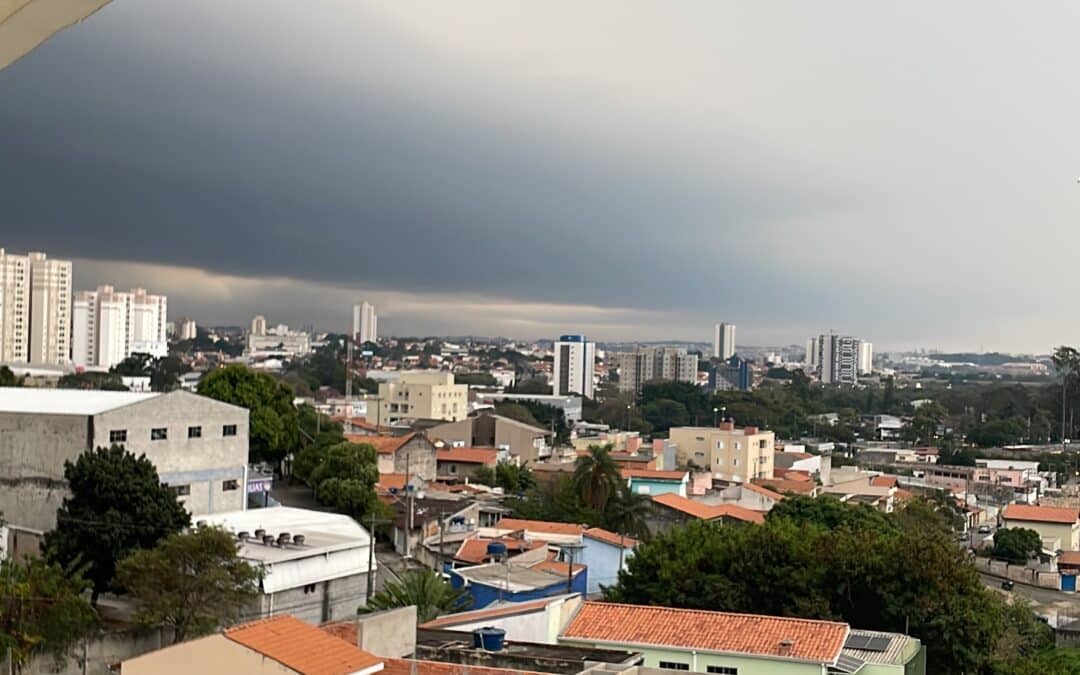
column 664, row 413
column 273, row 423
column 1016, row 544
column 597, row 477
column 516, row 411
column 193, row 582
column 480, row 379
column 423, row 588
column 346, row 477
column 117, row 505
column 627, row 513
column 511, row 477
column 8, row 378
column 43, row 610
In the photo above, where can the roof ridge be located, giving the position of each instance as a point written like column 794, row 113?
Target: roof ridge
column 600, row 603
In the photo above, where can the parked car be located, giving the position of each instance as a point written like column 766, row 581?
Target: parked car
column 984, row 529
column 1007, row 585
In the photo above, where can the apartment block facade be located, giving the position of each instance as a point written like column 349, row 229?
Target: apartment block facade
column 423, row 395
column 656, row 363
column 109, row 326
column 35, row 309
column 365, row 323
column 729, row 454
column 14, row 307
column 723, row 341
column 837, row 359
column 574, row 367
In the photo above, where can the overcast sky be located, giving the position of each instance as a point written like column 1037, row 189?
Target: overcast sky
column 905, row 172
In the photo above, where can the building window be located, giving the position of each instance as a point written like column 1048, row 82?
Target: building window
column 180, row 490
column 453, row 468
column 734, row 461
column 118, row 436
column 310, row 588
column 763, row 444
column 674, row 665
column 194, row 432
column 719, row 445
column 228, row 430
column 230, row 485
column 159, row 434
column 737, row 445
column 722, row 670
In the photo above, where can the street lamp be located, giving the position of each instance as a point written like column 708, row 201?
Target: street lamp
column 715, row 411
column 628, row 416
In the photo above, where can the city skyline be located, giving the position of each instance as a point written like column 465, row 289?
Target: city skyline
column 441, row 175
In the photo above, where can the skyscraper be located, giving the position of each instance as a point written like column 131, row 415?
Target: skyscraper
column 365, row 323
column 258, row 325
column 14, row 307
column 574, row 368
column 50, row 310
column 109, row 326
column 866, row 357
column 724, row 341
column 835, row 359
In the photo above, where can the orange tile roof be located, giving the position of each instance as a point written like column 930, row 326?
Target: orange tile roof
column 655, row 474
column 639, row 625
column 782, row 485
column 709, row 511
column 301, row 646
column 485, row 456
column 391, row 481
column 1041, row 514
column 1071, row 558
column 612, row 538
column 475, row 550
column 541, row 526
column 482, row 614
column 903, row 495
column 763, row 491
column 792, row 474
column 384, row 445
column 883, row 481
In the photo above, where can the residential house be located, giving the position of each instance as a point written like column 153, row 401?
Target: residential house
column 478, row 550
column 730, row 454
column 605, row 554
column 713, row 642
column 671, row 510
column 880, row 494
column 886, row 427
column 746, row 495
column 555, row 533
column 522, row 579
column 411, row 454
column 313, row 563
column 488, row 430
column 790, row 484
column 625, row 460
column 653, row 482
column 537, row 621
column 815, row 465
column 1051, row 522
column 276, row 646
column 459, row 464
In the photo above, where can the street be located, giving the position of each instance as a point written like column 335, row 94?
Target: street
column 1048, row 603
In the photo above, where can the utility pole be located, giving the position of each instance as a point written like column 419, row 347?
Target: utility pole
column 371, row 560
column 348, row 382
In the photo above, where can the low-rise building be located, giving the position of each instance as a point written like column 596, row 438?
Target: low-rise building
column 536, row 621
column 459, row 463
column 1051, row 522
column 729, row 454
column 519, row 580
column 314, row 564
column 653, row 482
column 198, row 445
column 423, row 394
column 671, row 511
column 605, row 554
column 411, row 454
column 488, row 430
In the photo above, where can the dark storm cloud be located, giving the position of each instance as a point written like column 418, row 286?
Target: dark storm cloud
column 219, row 152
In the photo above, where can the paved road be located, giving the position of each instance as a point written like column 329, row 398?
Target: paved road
column 1046, row 602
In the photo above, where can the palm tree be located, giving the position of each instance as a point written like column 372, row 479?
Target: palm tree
column 628, row 512
column 423, row 588
column 597, row 477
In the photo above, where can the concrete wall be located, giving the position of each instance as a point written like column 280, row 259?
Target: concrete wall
column 519, row 440
column 603, row 562
column 328, row 601
column 33, row 449
column 699, row 662
column 1068, row 535
column 417, row 457
column 211, row 654
column 1019, row 573
column 94, row 655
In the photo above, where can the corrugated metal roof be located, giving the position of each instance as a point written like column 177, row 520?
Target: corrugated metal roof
column 30, row 400
column 892, row 654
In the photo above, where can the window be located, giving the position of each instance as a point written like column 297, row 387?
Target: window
column 159, row 434
column 118, row 436
column 643, row 489
column 194, row 432
column 674, row 665
column 737, row 445
column 719, row 445
column 310, row 588
column 723, row 670
column 762, row 444
column 734, row 461
column 180, row 490
column 230, row 485
column 228, row 430
column 453, row 468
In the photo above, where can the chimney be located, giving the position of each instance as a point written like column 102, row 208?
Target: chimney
column 727, row 426
column 785, row 647
column 750, row 431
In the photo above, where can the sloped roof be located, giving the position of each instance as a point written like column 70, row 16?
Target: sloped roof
column 475, row 550
column 1041, row 514
column 709, row 511
column 763, row 491
column 472, row 616
column 540, row 526
column 782, row 485
column 884, row 481
column 612, row 538
column 301, row 646
column 810, row 640
column 384, row 445
column 654, row 474
column 486, row 456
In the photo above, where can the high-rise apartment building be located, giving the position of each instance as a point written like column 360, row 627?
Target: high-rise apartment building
column 50, row 310
column 835, row 359
column 187, row 329
column 866, row 357
column 574, row 368
column 724, row 341
column 258, row 325
column 656, row 363
column 365, row 323
column 108, row 326
column 14, row 308
column 731, row 374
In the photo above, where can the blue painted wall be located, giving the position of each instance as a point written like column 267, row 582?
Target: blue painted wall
column 483, row 595
column 657, row 487
column 602, row 560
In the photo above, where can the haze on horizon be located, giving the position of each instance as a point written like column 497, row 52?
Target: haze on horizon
column 627, row 170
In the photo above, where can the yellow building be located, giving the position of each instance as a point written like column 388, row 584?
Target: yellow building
column 423, row 394
column 1050, row 522
column 729, row 454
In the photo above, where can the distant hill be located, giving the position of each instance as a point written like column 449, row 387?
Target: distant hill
column 990, row 359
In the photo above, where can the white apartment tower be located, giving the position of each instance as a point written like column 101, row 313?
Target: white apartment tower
column 866, row 357
column 574, row 369
column 14, row 308
column 258, row 326
column 50, row 310
column 838, row 359
column 724, row 341
column 365, row 323
column 109, row 326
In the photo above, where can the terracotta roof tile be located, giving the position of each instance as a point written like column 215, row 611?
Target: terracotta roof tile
column 384, row 445
column 485, row 456
column 762, row 491
column 811, row 640
column 475, row 550
column 884, row 481
column 782, row 485
column 654, row 474
column 301, row 646
column 1071, row 558
column 391, row 481
column 1040, row 514
column 709, row 511
column 540, row 526
column 612, row 538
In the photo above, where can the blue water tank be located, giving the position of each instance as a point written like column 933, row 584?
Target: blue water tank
column 496, row 549
column 489, row 638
